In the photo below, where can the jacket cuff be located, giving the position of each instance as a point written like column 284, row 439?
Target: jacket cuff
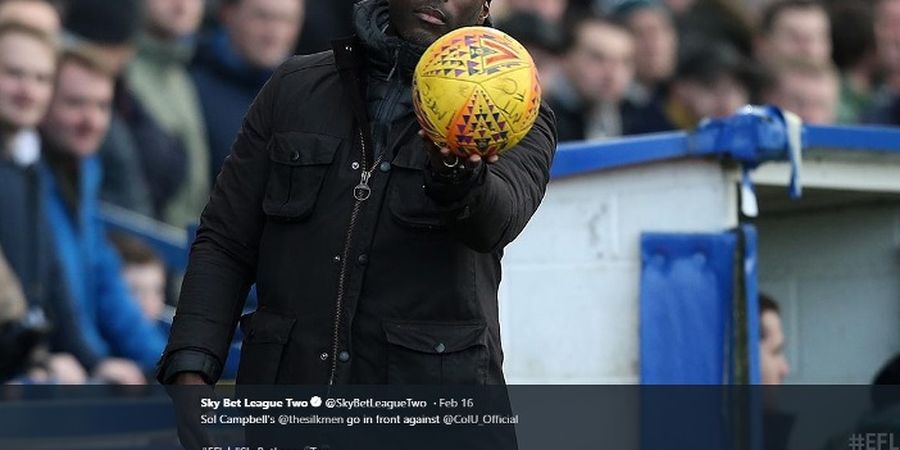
column 189, row 360
column 449, row 192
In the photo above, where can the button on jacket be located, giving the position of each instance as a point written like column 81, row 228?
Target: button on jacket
column 395, row 286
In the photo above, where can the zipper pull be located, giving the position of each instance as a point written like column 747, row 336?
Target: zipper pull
column 362, row 191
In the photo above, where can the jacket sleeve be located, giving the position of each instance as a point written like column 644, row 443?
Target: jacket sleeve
column 223, row 256
column 488, row 210
column 122, row 323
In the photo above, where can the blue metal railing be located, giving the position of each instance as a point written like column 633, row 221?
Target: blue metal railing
column 727, row 138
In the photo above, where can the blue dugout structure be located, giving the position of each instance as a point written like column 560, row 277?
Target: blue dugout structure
column 699, row 321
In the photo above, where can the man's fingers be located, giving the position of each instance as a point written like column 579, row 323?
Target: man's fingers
column 442, row 155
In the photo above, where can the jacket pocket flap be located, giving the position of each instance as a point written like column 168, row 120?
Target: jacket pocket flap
column 261, row 327
column 436, row 337
column 303, row 149
column 411, row 156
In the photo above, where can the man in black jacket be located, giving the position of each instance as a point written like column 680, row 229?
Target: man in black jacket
column 376, row 256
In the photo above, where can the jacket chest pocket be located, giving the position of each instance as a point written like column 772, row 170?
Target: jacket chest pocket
column 436, row 352
column 299, row 163
column 409, row 204
column 266, row 335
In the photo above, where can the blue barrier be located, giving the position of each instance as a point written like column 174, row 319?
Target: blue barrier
column 855, row 138
column 752, row 137
column 687, row 287
column 170, row 243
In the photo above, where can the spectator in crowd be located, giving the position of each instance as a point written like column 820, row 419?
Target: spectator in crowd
column 656, row 44
column 680, row 6
column 552, row 11
column 884, row 415
column 598, row 68
column 723, row 21
column 794, row 29
column 777, row 424
column 27, row 68
column 235, row 61
column 853, row 38
column 144, row 166
column 542, row 39
column 655, row 57
column 24, row 353
column 40, row 14
column 810, row 90
column 773, row 364
column 888, row 375
column 26, row 85
column 885, row 108
column 15, row 347
column 711, row 81
column 77, row 121
column 160, row 81
column 145, row 274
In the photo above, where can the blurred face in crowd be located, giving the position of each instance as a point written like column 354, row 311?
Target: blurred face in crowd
column 887, row 33
column 423, row 21
column 38, row 14
column 721, row 98
column 27, row 66
column 547, row 63
column 773, row 363
column 80, row 112
column 148, row 286
column 172, row 19
column 264, row 31
column 679, row 6
column 551, row 10
column 656, row 45
column 798, row 33
column 813, row 97
column 601, row 62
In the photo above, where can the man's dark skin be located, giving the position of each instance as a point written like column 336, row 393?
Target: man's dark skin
column 420, row 22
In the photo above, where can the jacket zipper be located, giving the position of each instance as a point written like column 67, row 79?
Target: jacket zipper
column 361, row 193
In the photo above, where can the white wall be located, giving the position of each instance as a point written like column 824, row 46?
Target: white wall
column 836, row 274
column 569, row 299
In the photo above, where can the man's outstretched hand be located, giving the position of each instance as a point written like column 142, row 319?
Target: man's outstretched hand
column 441, row 156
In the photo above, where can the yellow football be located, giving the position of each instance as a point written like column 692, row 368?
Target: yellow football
column 476, row 91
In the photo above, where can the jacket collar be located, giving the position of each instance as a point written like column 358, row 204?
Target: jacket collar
column 349, row 53
column 389, row 55
column 350, row 60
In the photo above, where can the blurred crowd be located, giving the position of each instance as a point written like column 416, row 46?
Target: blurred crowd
column 622, row 67
column 135, row 103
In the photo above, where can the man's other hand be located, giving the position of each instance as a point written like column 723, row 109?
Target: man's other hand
column 189, row 379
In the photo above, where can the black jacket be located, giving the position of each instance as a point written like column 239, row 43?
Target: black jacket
column 400, row 288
